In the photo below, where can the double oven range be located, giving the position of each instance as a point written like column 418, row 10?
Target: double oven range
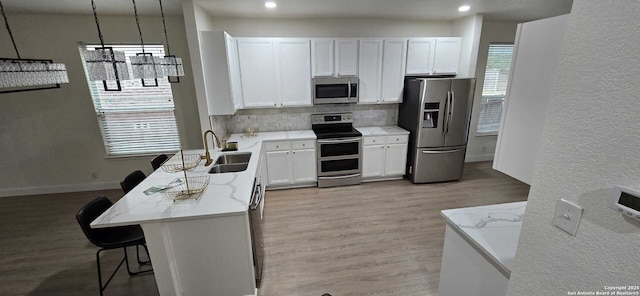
column 339, row 153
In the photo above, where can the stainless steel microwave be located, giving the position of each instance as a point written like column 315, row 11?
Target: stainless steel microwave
column 335, row 90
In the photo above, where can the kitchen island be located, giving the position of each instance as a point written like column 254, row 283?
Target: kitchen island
column 479, row 249
column 200, row 247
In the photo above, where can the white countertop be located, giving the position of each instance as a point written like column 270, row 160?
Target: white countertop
column 493, row 230
column 382, row 131
column 227, row 194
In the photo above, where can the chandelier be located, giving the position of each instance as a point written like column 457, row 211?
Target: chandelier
column 171, row 65
column 104, row 63
column 18, row 74
column 144, row 65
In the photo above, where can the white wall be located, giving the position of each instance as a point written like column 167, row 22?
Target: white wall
column 469, row 28
column 482, row 148
column 590, row 143
column 50, row 140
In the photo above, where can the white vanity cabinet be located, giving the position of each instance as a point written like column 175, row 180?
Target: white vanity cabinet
column 275, row 72
column 384, row 156
column 221, row 72
column 291, row 163
column 334, row 57
column 433, row 56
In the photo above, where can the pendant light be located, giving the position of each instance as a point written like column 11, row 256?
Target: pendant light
column 171, row 65
column 104, row 63
column 144, row 65
column 18, row 74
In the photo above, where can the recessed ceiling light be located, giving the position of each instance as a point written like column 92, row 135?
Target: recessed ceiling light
column 464, row 8
column 270, row 4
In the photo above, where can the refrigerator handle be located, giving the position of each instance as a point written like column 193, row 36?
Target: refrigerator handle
column 453, row 105
column 445, row 120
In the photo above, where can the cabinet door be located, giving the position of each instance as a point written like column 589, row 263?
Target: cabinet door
column 370, row 69
column 279, row 167
column 304, row 166
column 215, row 71
column 395, row 159
column 394, row 60
column 234, row 71
column 447, row 55
column 346, row 57
column 373, row 161
column 322, row 57
column 420, row 56
column 293, row 68
column 257, row 70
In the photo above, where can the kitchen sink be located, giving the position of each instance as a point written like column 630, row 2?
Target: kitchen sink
column 228, row 168
column 233, row 158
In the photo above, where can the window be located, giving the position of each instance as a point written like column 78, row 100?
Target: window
column 137, row 120
column 494, row 90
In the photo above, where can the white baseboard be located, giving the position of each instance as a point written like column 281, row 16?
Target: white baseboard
column 33, row 190
column 477, row 158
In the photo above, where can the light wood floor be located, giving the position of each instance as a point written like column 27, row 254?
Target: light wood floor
column 381, row 238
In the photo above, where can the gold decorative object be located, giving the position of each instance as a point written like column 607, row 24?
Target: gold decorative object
column 192, row 188
column 251, row 131
column 181, row 162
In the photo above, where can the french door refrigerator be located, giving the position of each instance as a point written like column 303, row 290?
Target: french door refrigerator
column 437, row 112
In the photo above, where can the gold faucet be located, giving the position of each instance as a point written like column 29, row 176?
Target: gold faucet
column 207, row 156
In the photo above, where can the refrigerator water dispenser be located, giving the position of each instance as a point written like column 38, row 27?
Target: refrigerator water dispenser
column 430, row 118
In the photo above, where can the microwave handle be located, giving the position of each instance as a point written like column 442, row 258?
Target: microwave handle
column 349, row 89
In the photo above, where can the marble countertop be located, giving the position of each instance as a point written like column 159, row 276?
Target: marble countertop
column 227, row 194
column 493, row 230
column 382, row 131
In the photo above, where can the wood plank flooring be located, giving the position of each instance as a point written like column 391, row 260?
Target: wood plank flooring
column 381, row 238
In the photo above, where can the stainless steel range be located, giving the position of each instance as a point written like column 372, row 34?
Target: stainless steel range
column 339, row 149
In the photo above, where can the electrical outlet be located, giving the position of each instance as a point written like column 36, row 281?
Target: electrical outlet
column 94, row 175
column 568, row 216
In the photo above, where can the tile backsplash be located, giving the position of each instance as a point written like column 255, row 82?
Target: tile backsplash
column 286, row 119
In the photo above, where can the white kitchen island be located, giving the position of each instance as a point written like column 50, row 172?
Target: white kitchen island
column 199, row 247
column 479, row 249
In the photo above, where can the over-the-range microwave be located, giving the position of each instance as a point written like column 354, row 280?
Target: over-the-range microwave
column 335, row 90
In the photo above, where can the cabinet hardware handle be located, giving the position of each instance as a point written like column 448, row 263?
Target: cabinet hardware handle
column 382, row 147
column 388, row 146
column 303, row 145
column 294, row 152
column 374, row 141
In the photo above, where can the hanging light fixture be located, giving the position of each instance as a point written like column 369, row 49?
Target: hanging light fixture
column 171, row 65
column 144, row 65
column 23, row 74
column 104, row 63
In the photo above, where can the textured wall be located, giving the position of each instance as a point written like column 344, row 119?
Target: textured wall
column 591, row 143
column 287, row 119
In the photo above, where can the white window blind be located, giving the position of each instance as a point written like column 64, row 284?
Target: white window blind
column 494, row 89
column 137, row 120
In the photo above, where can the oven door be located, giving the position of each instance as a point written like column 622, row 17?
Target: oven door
column 339, row 156
column 335, row 90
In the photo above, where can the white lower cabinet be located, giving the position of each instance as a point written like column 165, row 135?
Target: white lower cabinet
column 384, row 156
column 291, row 163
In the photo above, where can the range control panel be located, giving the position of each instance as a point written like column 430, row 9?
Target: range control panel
column 332, row 118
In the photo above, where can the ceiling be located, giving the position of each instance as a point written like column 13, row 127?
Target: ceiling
column 520, row 10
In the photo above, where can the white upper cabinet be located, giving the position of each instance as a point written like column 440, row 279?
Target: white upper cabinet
column 393, row 68
column 346, row 57
column 370, row 70
column 420, row 56
column 447, row 55
column 322, row 57
column 293, row 68
column 258, row 72
column 220, row 72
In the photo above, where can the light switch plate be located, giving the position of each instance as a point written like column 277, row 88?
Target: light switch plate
column 568, row 216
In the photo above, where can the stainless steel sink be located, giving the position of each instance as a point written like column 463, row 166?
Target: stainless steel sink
column 231, row 163
column 234, row 158
column 228, row 168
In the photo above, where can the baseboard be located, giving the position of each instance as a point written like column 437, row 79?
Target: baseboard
column 291, row 186
column 378, row 179
column 477, row 158
column 33, row 190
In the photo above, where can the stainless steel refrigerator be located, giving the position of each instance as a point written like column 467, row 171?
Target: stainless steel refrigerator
column 437, row 112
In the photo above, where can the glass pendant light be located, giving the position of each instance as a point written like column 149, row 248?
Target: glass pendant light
column 104, row 63
column 144, row 65
column 18, row 74
column 171, row 65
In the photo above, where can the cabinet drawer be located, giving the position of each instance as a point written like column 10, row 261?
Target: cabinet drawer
column 401, row 139
column 278, row 146
column 374, row 140
column 308, row 144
